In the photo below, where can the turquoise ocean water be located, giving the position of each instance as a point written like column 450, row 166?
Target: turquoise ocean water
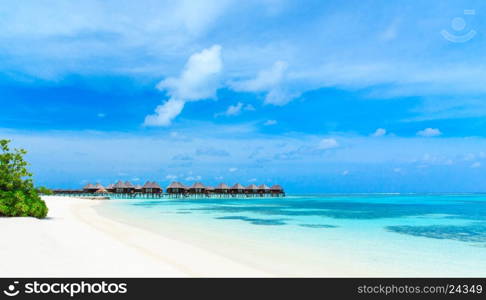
column 389, row 234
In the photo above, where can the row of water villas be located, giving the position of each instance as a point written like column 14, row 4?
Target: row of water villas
column 152, row 190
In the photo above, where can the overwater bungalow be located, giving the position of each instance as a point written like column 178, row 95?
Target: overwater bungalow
column 222, row 188
column 89, row 188
column 251, row 189
column 209, row 190
column 151, row 188
column 197, row 188
column 277, row 190
column 110, row 188
column 263, row 189
column 129, row 187
column 101, row 190
column 119, row 187
column 237, row 189
column 176, row 188
column 98, row 186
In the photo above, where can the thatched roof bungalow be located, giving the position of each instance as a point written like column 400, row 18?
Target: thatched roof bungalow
column 237, row 189
column 119, row 187
column 251, row 189
column 263, row 189
column 110, row 188
column 176, row 188
column 129, row 187
column 276, row 189
column 99, row 186
column 101, row 190
column 222, row 188
column 209, row 189
column 151, row 188
column 89, row 188
column 197, row 188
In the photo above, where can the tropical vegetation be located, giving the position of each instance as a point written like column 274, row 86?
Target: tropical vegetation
column 18, row 197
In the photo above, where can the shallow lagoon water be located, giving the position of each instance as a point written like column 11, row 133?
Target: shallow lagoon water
column 428, row 234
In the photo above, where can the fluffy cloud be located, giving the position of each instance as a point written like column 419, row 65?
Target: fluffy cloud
column 193, row 178
column 325, row 144
column 171, row 177
column 429, row 132
column 379, row 132
column 270, row 122
column 265, row 79
column 270, row 81
column 476, row 165
column 199, row 80
column 165, row 113
column 234, row 110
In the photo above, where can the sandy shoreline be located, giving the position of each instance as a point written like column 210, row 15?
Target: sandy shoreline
column 75, row 241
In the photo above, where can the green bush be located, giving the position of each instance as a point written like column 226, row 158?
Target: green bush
column 44, row 191
column 18, row 197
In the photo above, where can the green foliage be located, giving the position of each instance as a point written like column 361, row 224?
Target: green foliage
column 44, row 191
column 17, row 194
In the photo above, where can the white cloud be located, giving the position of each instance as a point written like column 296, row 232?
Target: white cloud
column 280, row 96
column 193, row 178
column 252, row 180
column 265, row 79
column 476, row 164
column 171, row 177
column 123, row 37
column 232, row 170
column 325, row 144
column 165, row 113
column 379, row 132
column 345, row 173
column 199, row 80
column 270, row 81
column 270, row 122
column 234, row 110
column 429, row 132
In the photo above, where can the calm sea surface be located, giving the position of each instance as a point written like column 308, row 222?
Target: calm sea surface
column 432, row 233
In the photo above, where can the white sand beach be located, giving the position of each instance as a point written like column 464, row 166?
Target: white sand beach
column 80, row 239
column 74, row 241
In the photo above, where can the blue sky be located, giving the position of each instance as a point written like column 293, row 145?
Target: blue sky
column 354, row 96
